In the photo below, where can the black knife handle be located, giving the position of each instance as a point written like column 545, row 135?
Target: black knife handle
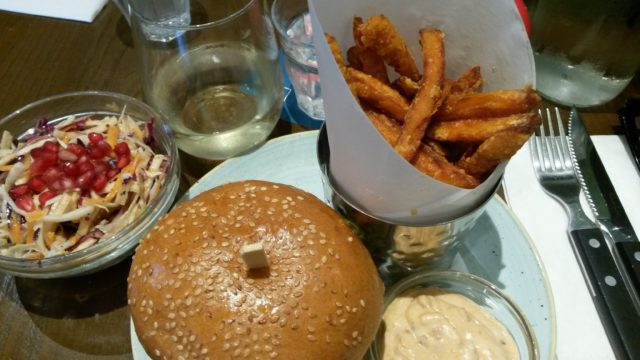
column 610, row 296
column 630, row 253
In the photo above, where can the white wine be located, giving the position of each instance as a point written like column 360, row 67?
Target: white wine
column 221, row 99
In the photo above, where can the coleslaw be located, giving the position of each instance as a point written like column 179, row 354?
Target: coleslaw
column 66, row 186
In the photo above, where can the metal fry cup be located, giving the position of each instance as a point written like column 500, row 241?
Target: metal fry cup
column 398, row 249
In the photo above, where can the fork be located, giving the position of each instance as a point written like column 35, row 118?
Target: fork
column 553, row 167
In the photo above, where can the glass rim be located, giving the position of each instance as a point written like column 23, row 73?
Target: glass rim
column 209, row 24
column 282, row 33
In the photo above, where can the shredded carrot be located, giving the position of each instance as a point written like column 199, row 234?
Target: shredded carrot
column 73, row 239
column 131, row 168
column 51, row 236
column 112, row 135
column 16, row 230
column 6, row 167
column 35, row 216
column 29, row 233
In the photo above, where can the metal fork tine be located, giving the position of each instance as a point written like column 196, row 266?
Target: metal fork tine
column 541, row 147
column 551, row 143
column 564, row 146
column 534, row 150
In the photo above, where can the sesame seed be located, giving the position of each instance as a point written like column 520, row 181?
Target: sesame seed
column 354, row 334
column 311, row 337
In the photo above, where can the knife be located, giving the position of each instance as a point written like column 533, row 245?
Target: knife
column 604, row 203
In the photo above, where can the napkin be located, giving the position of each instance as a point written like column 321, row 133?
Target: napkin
column 79, row 10
column 580, row 334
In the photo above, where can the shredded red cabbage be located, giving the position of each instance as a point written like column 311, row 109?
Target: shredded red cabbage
column 150, row 139
column 43, row 127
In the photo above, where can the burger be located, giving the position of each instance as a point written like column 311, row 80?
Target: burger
column 254, row 270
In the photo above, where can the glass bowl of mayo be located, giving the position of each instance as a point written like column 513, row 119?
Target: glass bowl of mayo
column 451, row 315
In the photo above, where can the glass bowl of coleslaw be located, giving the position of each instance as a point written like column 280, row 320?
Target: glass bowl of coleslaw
column 83, row 177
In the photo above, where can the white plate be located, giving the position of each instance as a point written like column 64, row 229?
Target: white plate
column 498, row 248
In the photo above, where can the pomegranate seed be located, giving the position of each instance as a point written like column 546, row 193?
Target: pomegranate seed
column 95, row 137
column 51, row 175
column 104, row 147
column 84, row 181
column 66, row 155
column 37, row 152
column 112, row 173
column 49, row 158
column 71, row 169
column 85, row 167
column 64, row 183
column 57, row 185
column 25, row 202
column 46, row 196
column 122, row 149
column 76, row 149
column 100, row 167
column 83, row 159
column 19, row 190
column 122, row 162
column 99, row 183
column 96, row 153
column 67, row 183
column 37, row 184
column 51, row 146
column 38, row 167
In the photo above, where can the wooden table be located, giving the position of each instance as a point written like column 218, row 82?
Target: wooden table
column 87, row 317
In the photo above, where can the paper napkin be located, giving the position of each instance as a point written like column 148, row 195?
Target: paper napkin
column 78, row 10
column 580, row 334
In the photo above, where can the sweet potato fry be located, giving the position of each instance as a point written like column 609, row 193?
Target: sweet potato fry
column 372, row 63
column 435, row 165
column 492, row 152
column 353, row 58
column 437, row 147
column 488, row 105
column 407, row 87
column 379, row 34
column 388, row 128
column 468, row 82
column 337, row 52
column 377, row 94
column 428, row 97
column 478, row 130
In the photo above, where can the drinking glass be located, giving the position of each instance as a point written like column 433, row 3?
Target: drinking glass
column 586, row 51
column 216, row 79
column 157, row 12
column 293, row 25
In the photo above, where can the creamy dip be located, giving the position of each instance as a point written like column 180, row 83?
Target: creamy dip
column 434, row 324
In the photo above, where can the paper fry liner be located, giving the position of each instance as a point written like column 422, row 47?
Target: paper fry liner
column 363, row 165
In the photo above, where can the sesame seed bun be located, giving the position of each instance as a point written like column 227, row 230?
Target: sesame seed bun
column 192, row 297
